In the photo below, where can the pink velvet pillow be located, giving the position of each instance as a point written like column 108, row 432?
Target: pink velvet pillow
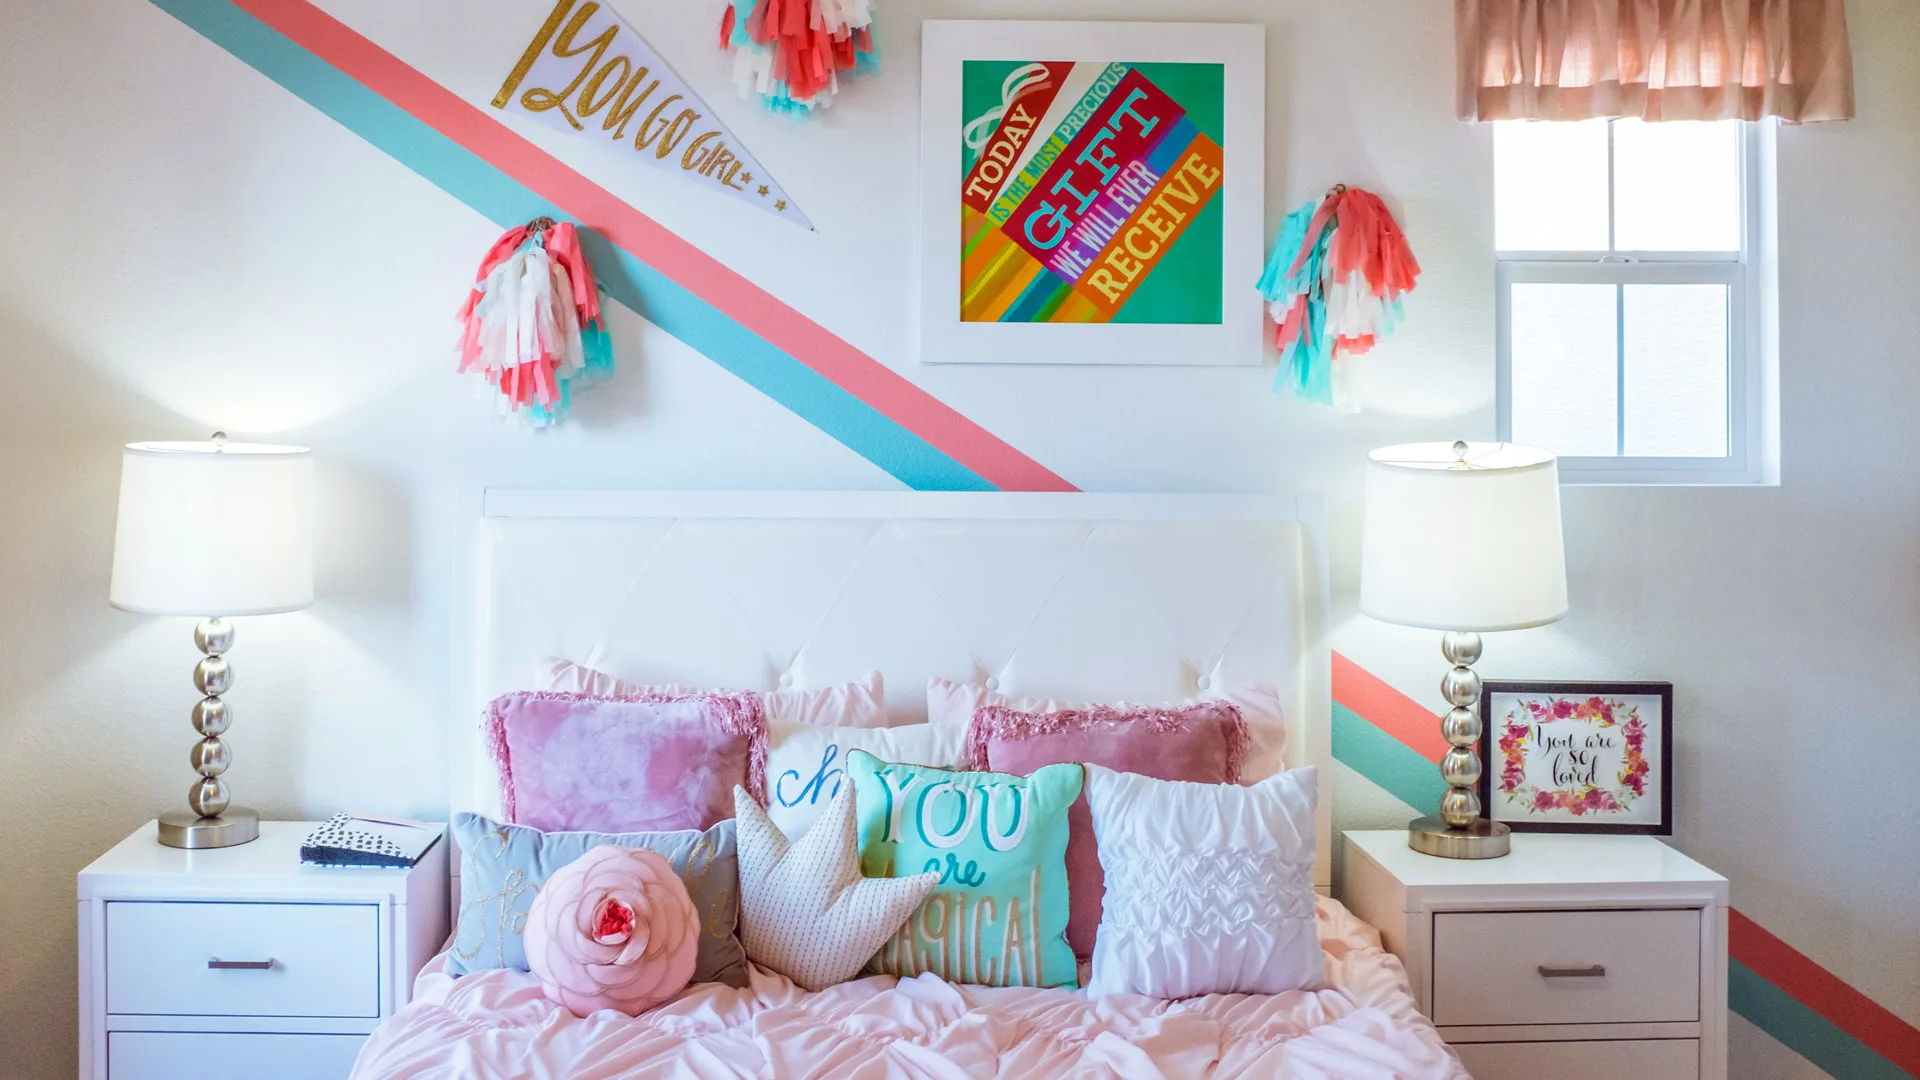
column 954, row 703
column 861, row 703
column 571, row 762
column 1204, row 743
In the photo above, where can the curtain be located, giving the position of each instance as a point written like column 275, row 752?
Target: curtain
column 1654, row 59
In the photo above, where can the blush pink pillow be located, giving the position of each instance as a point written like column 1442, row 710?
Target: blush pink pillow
column 861, row 703
column 572, row 762
column 614, row 929
column 953, row 703
column 1204, row 743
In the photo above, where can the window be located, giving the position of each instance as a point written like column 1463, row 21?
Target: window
column 1630, row 341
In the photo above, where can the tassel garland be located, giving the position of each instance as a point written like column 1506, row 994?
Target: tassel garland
column 1333, row 286
column 791, row 52
column 532, row 322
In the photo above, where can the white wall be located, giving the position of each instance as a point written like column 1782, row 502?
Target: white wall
column 189, row 246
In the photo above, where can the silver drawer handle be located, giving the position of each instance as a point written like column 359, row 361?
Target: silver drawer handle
column 217, row 964
column 1593, row 971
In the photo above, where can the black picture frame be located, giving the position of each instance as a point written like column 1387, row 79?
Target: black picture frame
column 1490, row 738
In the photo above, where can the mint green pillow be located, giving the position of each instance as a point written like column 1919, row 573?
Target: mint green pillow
column 999, row 915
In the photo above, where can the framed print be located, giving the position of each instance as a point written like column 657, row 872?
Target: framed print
column 1092, row 193
column 1591, row 757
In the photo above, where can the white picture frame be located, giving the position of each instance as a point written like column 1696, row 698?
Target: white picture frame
column 1237, row 338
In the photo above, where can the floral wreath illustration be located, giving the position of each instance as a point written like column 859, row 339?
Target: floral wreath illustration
column 1588, row 798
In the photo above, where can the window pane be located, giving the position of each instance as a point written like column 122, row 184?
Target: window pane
column 1565, row 357
column 1550, row 186
column 1676, row 370
column 1676, row 186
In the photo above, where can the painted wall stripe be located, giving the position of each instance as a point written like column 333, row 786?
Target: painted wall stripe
column 1803, row 1030
column 849, row 395
column 1388, row 709
column 1820, row 990
column 1385, row 761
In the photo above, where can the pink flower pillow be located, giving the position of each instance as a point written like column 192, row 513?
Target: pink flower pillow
column 570, row 762
column 861, row 703
column 1203, row 743
column 614, row 929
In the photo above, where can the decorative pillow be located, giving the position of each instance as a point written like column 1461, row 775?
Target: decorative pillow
column 999, row 914
column 614, row 929
column 953, row 703
column 861, row 703
column 1209, row 886
column 570, row 761
column 1204, row 743
column 503, row 866
column 807, row 763
column 806, row 912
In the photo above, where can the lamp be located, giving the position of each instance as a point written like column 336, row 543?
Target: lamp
column 213, row 529
column 1462, row 538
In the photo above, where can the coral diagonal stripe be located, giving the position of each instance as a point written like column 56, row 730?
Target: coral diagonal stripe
column 1822, row 991
column 1387, row 709
column 518, row 161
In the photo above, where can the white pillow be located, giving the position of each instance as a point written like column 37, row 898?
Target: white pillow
column 1209, row 886
column 805, row 763
column 952, row 703
column 861, row 703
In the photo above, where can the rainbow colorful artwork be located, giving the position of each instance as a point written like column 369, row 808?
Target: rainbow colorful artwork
column 1091, row 192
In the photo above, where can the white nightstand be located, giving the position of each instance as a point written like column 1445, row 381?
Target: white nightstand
column 240, row 963
column 1602, row 957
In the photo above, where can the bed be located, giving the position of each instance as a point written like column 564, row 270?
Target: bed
column 1095, row 597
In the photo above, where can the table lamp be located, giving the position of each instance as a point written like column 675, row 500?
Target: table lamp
column 213, row 529
column 1462, row 538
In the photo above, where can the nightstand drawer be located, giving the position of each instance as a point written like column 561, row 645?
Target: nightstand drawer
column 192, row 959
column 1628, row 1059
column 197, row 1055
column 1566, row 967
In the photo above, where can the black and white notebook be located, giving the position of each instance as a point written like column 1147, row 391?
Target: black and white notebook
column 346, row 840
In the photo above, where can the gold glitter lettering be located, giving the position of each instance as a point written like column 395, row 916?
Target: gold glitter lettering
column 537, row 99
column 534, row 48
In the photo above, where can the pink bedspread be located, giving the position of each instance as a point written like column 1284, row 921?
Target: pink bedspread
column 496, row 1024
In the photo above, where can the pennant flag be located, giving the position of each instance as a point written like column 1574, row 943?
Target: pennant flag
column 589, row 71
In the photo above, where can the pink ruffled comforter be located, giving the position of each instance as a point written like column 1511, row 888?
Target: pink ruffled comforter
column 496, row 1024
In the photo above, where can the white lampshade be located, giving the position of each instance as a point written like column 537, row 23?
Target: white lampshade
column 214, row 529
column 1463, row 543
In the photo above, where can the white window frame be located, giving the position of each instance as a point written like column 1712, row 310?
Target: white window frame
column 1751, row 278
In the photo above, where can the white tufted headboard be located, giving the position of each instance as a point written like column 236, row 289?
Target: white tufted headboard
column 1091, row 597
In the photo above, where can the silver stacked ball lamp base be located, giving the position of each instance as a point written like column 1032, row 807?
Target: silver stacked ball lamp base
column 209, row 820
column 1458, row 831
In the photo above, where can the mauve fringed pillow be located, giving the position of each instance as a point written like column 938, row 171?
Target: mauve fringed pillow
column 659, row 764
column 1205, row 743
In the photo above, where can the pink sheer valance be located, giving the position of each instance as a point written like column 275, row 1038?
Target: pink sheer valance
column 1654, row 59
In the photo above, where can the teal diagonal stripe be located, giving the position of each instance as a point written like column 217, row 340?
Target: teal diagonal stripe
column 506, row 201
column 1386, row 761
column 1804, row 1031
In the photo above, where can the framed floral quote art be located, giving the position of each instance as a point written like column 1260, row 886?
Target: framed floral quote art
column 1578, row 757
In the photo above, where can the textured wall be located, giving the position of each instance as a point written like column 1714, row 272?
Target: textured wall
column 190, row 247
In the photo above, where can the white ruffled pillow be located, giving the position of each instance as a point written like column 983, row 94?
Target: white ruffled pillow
column 1209, row 886
column 952, row 703
column 806, row 764
column 861, row 703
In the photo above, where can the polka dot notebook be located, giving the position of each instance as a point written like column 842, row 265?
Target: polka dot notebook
column 344, row 840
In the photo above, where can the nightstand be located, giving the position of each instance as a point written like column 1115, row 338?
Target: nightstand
column 1602, row 957
column 240, row 963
